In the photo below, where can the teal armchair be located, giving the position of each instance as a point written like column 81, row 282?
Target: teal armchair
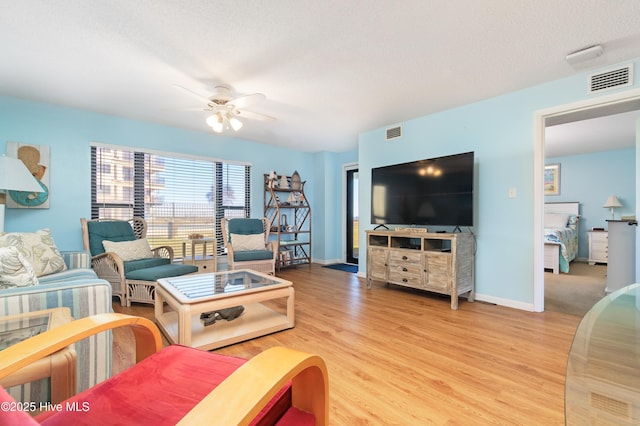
column 132, row 279
column 248, row 246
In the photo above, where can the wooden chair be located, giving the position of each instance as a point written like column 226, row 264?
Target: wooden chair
column 133, row 280
column 177, row 384
column 255, row 251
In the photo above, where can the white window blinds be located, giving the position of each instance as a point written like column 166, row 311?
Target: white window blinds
column 176, row 196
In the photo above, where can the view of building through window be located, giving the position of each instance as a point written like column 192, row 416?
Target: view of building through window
column 177, row 197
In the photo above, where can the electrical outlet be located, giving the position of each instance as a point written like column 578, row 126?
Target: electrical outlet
column 512, row 193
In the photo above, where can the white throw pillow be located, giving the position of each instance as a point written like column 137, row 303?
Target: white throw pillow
column 129, row 250
column 15, row 271
column 38, row 248
column 555, row 220
column 250, row 242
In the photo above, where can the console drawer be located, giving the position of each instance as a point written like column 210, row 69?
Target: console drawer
column 410, row 280
column 405, row 257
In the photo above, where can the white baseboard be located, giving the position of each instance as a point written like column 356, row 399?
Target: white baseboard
column 505, row 302
column 328, row 262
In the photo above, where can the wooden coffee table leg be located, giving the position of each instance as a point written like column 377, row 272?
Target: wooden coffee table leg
column 184, row 325
column 291, row 311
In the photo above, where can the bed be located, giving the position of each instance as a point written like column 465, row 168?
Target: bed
column 560, row 235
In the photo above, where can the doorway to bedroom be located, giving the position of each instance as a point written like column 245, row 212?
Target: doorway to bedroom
column 563, row 292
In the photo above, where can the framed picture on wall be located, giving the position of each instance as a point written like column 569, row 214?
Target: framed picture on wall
column 37, row 160
column 552, row 179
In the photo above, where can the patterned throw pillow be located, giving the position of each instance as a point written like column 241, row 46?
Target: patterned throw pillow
column 15, row 271
column 250, row 242
column 129, row 250
column 38, row 248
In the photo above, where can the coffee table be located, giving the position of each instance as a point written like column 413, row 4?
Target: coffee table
column 602, row 385
column 268, row 307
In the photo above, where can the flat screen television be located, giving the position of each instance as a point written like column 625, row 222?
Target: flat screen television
column 434, row 191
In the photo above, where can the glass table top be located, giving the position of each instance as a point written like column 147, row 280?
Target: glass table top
column 199, row 286
column 603, row 369
column 16, row 330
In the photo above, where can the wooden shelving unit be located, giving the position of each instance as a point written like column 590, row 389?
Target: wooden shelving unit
column 289, row 211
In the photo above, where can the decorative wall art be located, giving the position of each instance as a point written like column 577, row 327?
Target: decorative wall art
column 37, row 159
column 552, row 179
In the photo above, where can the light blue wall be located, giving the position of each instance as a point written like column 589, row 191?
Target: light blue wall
column 68, row 132
column 590, row 179
column 330, row 209
column 501, row 132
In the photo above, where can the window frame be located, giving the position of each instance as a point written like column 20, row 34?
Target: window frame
column 138, row 204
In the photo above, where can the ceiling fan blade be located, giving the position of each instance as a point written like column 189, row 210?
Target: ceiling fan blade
column 197, row 95
column 195, row 109
column 253, row 115
column 247, row 100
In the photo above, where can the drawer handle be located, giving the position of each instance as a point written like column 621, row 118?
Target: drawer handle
column 404, row 258
column 404, row 280
column 404, row 269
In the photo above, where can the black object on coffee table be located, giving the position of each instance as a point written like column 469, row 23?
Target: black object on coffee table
column 228, row 314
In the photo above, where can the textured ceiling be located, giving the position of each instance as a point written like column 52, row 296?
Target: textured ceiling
column 330, row 69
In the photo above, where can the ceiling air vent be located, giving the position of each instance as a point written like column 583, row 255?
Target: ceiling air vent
column 394, row 133
column 613, row 79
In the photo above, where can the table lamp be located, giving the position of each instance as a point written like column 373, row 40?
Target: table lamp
column 612, row 203
column 14, row 176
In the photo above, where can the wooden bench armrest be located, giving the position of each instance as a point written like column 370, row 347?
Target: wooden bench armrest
column 15, row 357
column 241, row 396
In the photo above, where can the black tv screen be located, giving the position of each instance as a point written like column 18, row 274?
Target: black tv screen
column 434, row 191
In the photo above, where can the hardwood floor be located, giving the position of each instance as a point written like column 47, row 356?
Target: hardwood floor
column 402, row 357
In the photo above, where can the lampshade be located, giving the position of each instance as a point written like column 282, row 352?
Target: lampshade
column 15, row 176
column 612, row 201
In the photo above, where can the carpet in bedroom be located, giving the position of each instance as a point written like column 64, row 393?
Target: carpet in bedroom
column 577, row 291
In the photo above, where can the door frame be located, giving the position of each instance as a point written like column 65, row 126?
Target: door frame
column 538, row 172
column 345, row 168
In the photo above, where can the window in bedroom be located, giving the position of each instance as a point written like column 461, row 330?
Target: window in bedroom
column 176, row 195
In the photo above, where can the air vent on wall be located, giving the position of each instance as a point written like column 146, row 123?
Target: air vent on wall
column 613, row 79
column 611, row 406
column 394, row 133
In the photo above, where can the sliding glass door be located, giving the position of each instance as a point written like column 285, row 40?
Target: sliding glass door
column 352, row 216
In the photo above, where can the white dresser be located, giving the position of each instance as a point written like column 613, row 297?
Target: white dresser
column 622, row 254
column 598, row 247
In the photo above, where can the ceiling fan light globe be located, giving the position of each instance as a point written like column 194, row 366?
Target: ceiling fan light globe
column 215, row 123
column 235, row 123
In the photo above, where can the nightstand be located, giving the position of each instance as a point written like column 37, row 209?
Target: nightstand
column 598, row 247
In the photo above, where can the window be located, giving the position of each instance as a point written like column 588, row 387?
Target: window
column 177, row 196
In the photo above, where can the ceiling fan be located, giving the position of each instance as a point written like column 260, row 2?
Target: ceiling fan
column 227, row 111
